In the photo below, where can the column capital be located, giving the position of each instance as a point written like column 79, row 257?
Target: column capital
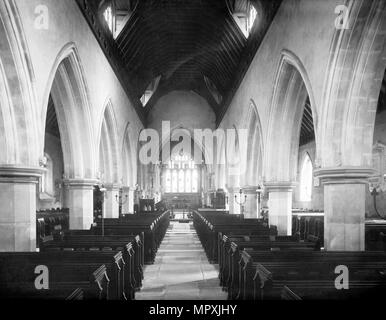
column 80, row 183
column 280, row 186
column 128, row 189
column 19, row 174
column 344, row 175
column 233, row 189
column 250, row 189
column 112, row 186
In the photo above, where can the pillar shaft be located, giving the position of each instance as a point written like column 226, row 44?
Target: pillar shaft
column 280, row 207
column 234, row 207
column 344, row 207
column 128, row 206
column 80, row 202
column 110, row 204
column 251, row 207
column 18, row 209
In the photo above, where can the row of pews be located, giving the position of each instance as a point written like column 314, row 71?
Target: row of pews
column 209, row 224
column 49, row 223
column 308, row 226
column 84, row 265
column 256, row 264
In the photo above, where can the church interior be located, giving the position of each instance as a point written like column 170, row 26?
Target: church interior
column 192, row 150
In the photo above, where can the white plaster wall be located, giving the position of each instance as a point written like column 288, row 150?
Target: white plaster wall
column 183, row 109
column 304, row 27
column 317, row 191
column 66, row 25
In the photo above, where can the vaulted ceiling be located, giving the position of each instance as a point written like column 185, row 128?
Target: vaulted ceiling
column 184, row 41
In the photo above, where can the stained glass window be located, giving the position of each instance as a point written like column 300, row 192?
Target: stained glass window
column 181, row 175
column 174, row 181
column 181, row 181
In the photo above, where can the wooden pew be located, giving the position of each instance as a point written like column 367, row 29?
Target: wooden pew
column 131, row 248
column 253, row 264
column 154, row 230
column 210, row 224
column 321, row 290
column 238, row 270
column 100, row 274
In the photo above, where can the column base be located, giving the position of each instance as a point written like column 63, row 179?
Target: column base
column 344, row 207
column 18, row 208
column 80, row 202
column 251, row 206
column 280, row 206
column 111, row 205
column 128, row 206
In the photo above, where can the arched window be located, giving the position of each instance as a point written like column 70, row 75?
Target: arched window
column 108, row 15
column 47, row 184
column 244, row 13
column 175, row 181
column 181, row 175
column 306, row 180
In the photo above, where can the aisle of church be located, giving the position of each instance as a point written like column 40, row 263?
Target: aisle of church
column 181, row 270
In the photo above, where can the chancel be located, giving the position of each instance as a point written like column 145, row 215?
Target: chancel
column 192, row 150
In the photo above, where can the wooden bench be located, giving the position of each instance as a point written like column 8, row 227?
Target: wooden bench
column 131, row 248
column 99, row 274
column 154, row 231
column 253, row 277
column 210, row 225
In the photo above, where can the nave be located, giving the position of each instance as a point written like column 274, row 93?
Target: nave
column 181, row 270
column 264, row 121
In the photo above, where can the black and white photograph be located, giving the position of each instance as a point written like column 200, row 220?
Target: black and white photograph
column 192, row 158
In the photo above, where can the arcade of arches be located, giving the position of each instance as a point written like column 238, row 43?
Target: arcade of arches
column 311, row 97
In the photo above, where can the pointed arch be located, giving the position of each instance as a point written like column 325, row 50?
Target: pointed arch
column 292, row 87
column 19, row 139
column 109, row 159
column 67, row 86
column 255, row 147
column 129, row 154
column 353, row 81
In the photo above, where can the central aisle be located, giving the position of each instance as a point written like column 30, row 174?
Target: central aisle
column 181, row 270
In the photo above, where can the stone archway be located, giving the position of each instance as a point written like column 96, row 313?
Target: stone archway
column 353, row 82
column 292, row 88
column 109, row 161
column 19, row 156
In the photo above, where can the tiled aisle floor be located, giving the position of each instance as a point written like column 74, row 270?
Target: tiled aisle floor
column 181, row 270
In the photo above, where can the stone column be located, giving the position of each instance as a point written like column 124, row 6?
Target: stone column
column 234, row 207
column 280, row 206
column 18, row 187
column 128, row 206
column 251, row 207
column 110, row 203
column 344, row 207
column 80, row 202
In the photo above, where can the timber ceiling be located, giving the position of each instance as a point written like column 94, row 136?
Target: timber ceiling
column 184, row 41
column 307, row 131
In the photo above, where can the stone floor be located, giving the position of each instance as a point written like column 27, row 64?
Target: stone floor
column 181, row 270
